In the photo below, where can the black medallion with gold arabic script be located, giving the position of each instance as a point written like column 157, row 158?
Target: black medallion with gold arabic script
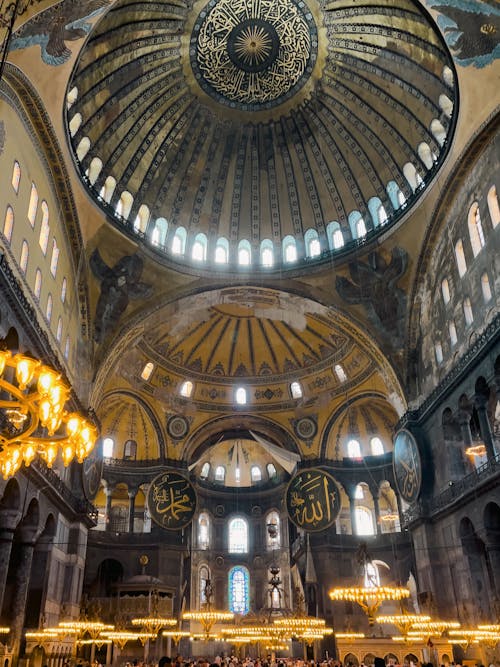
column 171, row 501
column 407, row 466
column 313, row 499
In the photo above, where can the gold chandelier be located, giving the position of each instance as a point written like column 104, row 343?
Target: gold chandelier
column 153, row 624
column 369, row 598
column 403, row 622
column 33, row 419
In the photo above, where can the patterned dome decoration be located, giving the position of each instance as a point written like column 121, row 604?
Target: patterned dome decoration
column 253, row 54
column 177, row 427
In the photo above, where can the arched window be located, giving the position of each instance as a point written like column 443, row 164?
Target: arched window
column 445, row 104
column 141, row 219
column 340, row 373
column 273, row 532
column 59, row 329
column 445, row 290
column 238, row 536
column 311, row 240
column 296, row 390
column 186, row 389
column 38, row 284
column 377, row 446
column 205, row 469
column 438, row 350
column 239, row 590
column 204, row 580
column 43, row 239
column 266, row 253
column 353, row 449
column 359, row 493
column 64, row 288
column 364, row 521
column 203, row 531
column 485, row 287
column 107, row 448
column 493, row 207
column 48, row 309
column 108, row 189
column 453, row 333
column 271, row 470
column 222, row 251
column 357, row 224
column 66, row 348
column 335, row 236
column 83, row 148
column 199, row 249
column 54, row 258
column 8, row 225
column 159, row 233
column 16, row 176
column 147, row 371
column 33, row 205
column 460, row 257
column 289, row 249
column 438, row 130
column 75, row 123
column 95, row 168
column 394, row 191
column 241, row 396
column 425, row 154
column 23, row 262
column 244, row 253
column 220, row 474
column 130, row 450
column 476, row 234
column 469, row 317
column 255, row 473
column 179, row 241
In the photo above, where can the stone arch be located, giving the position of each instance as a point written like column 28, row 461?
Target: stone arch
column 37, row 588
column 479, row 568
column 110, row 572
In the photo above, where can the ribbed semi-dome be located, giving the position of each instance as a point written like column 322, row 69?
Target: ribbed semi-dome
column 260, row 132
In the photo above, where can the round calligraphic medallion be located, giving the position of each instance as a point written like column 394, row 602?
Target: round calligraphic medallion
column 407, row 466
column 177, row 427
column 92, row 473
column 313, row 499
column 171, row 501
column 253, row 54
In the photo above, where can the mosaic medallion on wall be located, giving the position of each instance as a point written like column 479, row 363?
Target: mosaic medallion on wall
column 305, row 428
column 407, row 466
column 253, row 54
column 313, row 499
column 177, row 427
column 171, row 500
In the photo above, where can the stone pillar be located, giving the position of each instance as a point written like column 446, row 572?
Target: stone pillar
column 7, row 527
column 376, row 506
column 352, row 508
column 481, row 403
column 108, row 492
column 493, row 550
column 18, row 606
column 464, row 422
column 131, row 509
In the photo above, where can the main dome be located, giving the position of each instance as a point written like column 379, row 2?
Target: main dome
column 260, row 134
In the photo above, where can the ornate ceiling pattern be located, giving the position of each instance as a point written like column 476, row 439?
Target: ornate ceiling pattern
column 235, row 128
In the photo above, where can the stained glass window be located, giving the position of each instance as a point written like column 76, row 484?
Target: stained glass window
column 239, row 587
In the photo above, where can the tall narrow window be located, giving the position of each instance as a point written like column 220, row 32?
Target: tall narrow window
column 244, row 253
column 239, row 589
column 43, row 239
column 460, row 257
column 64, row 287
column 469, row 317
column 255, row 474
column 33, row 205
column 203, row 531
column 159, row 233
column 476, row 234
column 38, row 284
column 220, row 474
column 340, row 373
column 179, row 241
column 493, row 206
column 312, row 244
column 289, row 249
column 353, row 449
column 359, row 493
column 54, row 258
column 147, row 371
column 204, row 581
column 16, row 176
column 199, row 249
column 8, row 224
column 485, row 287
column 59, row 329
column 271, row 470
column 445, row 290
column 438, row 350
column 376, row 446
column 186, row 389
column 338, row 239
column 371, row 575
column 205, row 469
column 452, row 330
column 66, row 348
column 222, row 251
column 241, row 396
column 364, row 521
column 48, row 309
column 267, row 256
column 107, row 448
column 360, row 228
column 23, row 262
column 238, row 536
column 296, row 390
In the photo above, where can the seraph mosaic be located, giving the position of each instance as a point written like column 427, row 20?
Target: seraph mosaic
column 52, row 28
column 471, row 29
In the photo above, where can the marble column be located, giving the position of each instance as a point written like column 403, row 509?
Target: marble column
column 131, row 509
column 464, row 422
column 108, row 492
column 23, row 573
column 352, row 508
column 8, row 524
column 376, row 506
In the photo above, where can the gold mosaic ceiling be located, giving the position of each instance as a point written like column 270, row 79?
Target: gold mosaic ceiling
column 258, row 120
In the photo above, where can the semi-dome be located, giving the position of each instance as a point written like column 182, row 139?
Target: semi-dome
column 260, row 134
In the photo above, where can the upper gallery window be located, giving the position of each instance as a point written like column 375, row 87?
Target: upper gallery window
column 238, row 536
